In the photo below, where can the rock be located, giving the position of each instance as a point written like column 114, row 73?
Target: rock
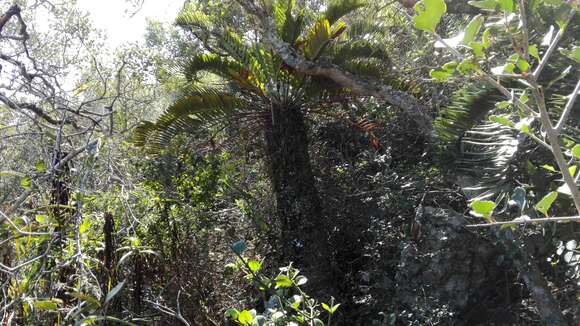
column 446, row 271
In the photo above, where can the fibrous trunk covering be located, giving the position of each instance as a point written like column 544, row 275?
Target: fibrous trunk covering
column 297, row 202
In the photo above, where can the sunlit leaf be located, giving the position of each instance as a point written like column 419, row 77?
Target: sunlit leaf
column 472, row 29
column 544, row 205
column 429, row 13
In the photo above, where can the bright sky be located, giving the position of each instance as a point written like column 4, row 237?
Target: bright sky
column 111, row 16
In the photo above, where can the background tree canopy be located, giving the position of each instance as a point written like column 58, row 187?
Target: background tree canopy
column 287, row 162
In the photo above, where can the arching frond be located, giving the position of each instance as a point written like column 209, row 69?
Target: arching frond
column 339, row 8
column 186, row 115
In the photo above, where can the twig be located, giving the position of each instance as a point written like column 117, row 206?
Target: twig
column 525, row 221
column 568, row 108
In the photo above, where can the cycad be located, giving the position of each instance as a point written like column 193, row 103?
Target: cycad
column 259, row 87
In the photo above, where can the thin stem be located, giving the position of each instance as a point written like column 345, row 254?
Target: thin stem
column 553, row 46
column 555, row 144
column 568, row 107
column 527, row 221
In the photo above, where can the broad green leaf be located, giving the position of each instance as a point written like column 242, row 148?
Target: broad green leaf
column 484, row 4
column 472, row 29
column 576, row 151
column 533, row 51
column 245, row 317
column 325, row 307
column 283, row 281
column 254, row 265
column 503, row 104
column 429, row 13
column 501, row 120
column 483, row 207
column 573, row 169
column 523, row 65
column 114, row 292
column 506, row 5
column 239, row 247
column 544, row 205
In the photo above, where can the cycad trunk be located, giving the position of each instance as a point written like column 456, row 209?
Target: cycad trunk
column 297, row 202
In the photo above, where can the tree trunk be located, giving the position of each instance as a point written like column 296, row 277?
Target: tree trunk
column 297, row 202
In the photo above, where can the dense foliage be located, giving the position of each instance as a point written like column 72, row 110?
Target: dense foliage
column 284, row 162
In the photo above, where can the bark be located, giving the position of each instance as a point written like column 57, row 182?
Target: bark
column 535, row 282
column 297, row 201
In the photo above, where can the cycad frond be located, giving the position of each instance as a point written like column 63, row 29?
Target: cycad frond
column 186, row 115
column 339, row 8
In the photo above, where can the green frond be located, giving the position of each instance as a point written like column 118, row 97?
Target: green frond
column 468, row 107
column 195, row 19
column 339, row 8
column 289, row 26
column 317, row 39
column 484, row 161
column 186, row 115
column 360, row 50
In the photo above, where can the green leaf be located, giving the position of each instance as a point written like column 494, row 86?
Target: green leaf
column 549, row 168
column 533, row 51
column 48, row 305
column 523, row 65
column 472, row 29
column 483, row 208
column 318, row 322
column 245, row 317
column 84, row 227
column 114, row 292
column 283, row 281
column 41, row 218
column 484, row 4
column 232, row 313
column 486, row 38
column 573, row 169
column 254, row 265
column 544, row 205
column 440, row 75
column 573, row 54
column 429, row 13
column 477, row 49
column 40, row 166
column 576, row 151
column 25, row 183
column 467, row 66
column 502, row 120
column 326, row 307
column 239, row 247
column 506, row 5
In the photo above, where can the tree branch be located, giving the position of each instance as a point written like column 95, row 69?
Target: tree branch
column 357, row 85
